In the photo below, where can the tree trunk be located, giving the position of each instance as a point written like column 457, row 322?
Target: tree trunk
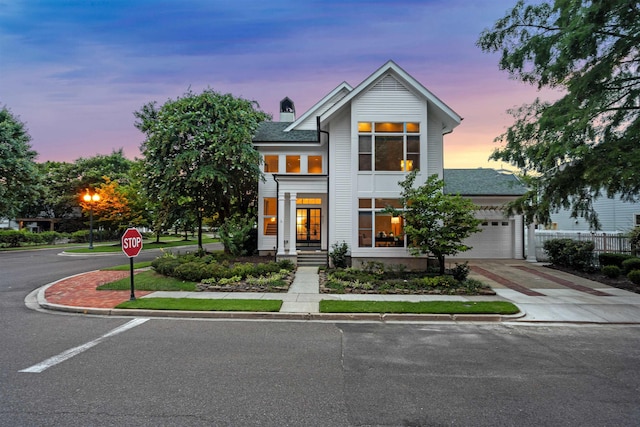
column 441, row 263
column 200, row 247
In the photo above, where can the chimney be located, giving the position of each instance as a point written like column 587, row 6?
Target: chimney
column 287, row 110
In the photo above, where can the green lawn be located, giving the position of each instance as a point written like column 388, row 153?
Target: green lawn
column 425, row 307
column 126, row 267
column 193, row 304
column 147, row 244
column 150, row 281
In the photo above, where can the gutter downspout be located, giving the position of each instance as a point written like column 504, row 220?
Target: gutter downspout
column 320, row 131
column 275, row 178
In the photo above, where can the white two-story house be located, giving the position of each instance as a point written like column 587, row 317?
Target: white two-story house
column 331, row 171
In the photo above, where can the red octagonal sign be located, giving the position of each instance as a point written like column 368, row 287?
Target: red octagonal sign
column 131, row 242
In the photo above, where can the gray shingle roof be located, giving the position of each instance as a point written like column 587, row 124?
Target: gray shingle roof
column 482, row 182
column 274, row 132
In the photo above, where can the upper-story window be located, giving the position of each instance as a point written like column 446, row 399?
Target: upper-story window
column 314, row 164
column 271, row 164
column 388, row 146
column 293, row 164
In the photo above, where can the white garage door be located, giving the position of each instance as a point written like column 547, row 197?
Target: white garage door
column 494, row 241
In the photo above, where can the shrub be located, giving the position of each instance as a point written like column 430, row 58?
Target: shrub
column 611, row 271
column 634, row 239
column 338, row 254
column 631, row 264
column 192, row 271
column 235, row 235
column 634, row 276
column 50, row 237
column 166, row 264
column 12, row 238
column 616, row 259
column 570, row 253
column 460, row 272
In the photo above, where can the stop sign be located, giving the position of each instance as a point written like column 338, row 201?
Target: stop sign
column 131, row 242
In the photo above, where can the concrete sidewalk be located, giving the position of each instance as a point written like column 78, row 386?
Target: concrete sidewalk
column 542, row 294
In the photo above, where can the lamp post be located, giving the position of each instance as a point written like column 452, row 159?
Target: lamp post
column 91, row 199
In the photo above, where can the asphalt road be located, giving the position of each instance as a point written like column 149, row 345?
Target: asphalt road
column 183, row 372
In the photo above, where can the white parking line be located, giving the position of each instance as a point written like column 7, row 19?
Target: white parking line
column 52, row 361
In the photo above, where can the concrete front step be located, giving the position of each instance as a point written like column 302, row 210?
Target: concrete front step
column 314, row 259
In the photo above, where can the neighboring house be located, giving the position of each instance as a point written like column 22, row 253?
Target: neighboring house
column 331, row 172
column 615, row 216
column 8, row 224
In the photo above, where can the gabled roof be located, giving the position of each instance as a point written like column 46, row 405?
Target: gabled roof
column 318, row 107
column 451, row 118
column 275, row 132
column 482, row 182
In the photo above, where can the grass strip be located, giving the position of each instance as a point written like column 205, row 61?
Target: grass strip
column 197, row 304
column 423, row 307
column 149, row 281
column 147, row 244
column 125, row 267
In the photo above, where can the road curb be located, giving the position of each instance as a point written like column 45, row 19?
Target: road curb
column 247, row 315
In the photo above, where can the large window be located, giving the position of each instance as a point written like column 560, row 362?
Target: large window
column 269, row 215
column 388, row 146
column 377, row 228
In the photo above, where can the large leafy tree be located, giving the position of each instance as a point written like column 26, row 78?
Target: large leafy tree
column 586, row 144
column 198, row 153
column 19, row 177
column 112, row 210
column 435, row 223
column 64, row 182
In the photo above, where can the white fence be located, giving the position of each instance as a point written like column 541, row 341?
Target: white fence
column 603, row 242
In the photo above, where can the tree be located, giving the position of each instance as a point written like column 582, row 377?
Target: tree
column 112, row 210
column 90, row 171
column 19, row 177
column 198, row 153
column 587, row 143
column 435, row 223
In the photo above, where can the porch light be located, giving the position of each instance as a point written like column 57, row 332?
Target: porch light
column 91, row 199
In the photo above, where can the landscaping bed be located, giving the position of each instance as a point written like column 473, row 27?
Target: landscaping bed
column 379, row 281
column 218, row 272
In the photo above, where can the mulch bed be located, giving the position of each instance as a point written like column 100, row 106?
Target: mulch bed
column 243, row 286
column 620, row 282
column 395, row 291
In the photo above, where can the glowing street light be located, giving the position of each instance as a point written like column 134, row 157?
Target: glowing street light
column 91, row 199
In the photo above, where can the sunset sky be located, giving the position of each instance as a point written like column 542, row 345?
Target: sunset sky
column 75, row 70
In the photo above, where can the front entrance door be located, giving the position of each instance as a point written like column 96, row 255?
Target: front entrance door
column 308, row 227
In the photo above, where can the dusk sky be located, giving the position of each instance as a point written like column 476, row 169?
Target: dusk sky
column 75, row 70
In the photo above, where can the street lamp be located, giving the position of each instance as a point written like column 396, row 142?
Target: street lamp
column 91, row 199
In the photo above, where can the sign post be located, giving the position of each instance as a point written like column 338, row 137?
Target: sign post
column 131, row 246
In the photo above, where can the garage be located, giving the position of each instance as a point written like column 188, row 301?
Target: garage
column 494, row 241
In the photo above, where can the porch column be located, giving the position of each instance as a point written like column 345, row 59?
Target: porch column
column 518, row 232
column 281, row 224
column 531, row 243
column 292, row 224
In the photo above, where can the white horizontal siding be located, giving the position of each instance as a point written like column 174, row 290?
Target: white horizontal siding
column 341, row 200
column 435, row 156
column 614, row 215
column 389, row 100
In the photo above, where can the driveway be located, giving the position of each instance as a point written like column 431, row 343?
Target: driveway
column 548, row 295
